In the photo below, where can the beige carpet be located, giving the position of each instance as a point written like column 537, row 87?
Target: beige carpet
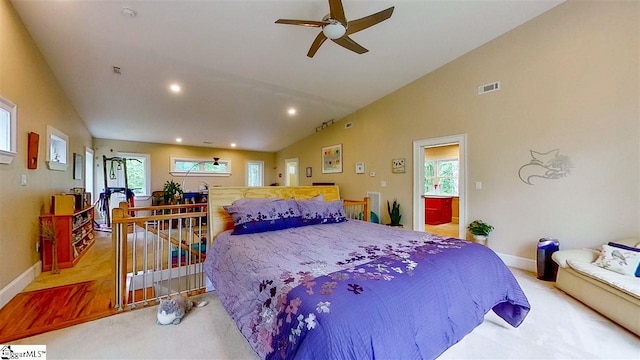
column 558, row 327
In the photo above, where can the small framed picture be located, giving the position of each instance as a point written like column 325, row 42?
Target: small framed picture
column 332, row 159
column 308, row 171
column 359, row 168
column 397, row 166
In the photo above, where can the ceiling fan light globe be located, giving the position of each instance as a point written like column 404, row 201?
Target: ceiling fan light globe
column 334, row 30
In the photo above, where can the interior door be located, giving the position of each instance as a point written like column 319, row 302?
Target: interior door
column 419, row 147
column 292, row 176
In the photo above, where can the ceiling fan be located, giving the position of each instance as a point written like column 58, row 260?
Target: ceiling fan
column 336, row 27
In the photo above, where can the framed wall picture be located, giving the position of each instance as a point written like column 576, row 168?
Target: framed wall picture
column 332, row 159
column 397, row 166
column 78, row 166
column 308, row 171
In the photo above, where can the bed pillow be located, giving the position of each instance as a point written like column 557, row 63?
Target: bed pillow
column 259, row 216
column 630, row 248
column 620, row 260
column 315, row 212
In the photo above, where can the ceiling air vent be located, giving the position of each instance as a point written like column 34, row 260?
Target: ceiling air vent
column 487, row 88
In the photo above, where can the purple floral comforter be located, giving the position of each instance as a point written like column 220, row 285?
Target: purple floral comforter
column 357, row 290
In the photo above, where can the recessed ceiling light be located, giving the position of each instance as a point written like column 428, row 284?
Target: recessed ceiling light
column 175, row 88
column 292, row 111
column 179, row 140
column 233, row 144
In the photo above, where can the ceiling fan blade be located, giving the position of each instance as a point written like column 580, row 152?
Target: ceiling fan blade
column 316, row 44
column 337, row 12
column 360, row 24
column 346, row 42
column 308, row 23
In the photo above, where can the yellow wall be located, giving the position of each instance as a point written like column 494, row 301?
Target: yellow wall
column 161, row 164
column 570, row 80
column 27, row 81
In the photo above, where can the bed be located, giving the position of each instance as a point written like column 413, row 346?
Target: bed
column 334, row 288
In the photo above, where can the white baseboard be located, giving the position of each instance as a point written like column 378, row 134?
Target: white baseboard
column 18, row 284
column 518, row 262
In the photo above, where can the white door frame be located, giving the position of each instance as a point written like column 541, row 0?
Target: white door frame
column 418, row 182
column 89, row 178
column 286, row 171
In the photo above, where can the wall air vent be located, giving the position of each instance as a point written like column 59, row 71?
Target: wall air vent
column 374, row 202
column 487, row 88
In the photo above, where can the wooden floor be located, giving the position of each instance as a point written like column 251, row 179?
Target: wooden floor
column 36, row 312
column 75, row 295
column 97, row 263
column 448, row 229
column 54, row 301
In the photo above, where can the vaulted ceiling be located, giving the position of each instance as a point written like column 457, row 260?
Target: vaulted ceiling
column 239, row 72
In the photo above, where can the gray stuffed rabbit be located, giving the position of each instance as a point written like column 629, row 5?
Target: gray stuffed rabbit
column 171, row 311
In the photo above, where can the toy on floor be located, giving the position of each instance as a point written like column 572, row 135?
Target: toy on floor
column 171, row 311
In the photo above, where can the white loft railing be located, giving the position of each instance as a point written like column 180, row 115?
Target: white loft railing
column 159, row 251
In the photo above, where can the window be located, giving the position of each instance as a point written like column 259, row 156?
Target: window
column 138, row 173
column 57, row 149
column 255, row 173
column 441, row 177
column 8, row 129
column 199, row 167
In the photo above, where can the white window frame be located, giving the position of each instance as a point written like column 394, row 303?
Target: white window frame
column 7, row 155
column 57, row 141
column 199, row 170
column 89, row 166
column 437, row 178
column 261, row 165
column 147, row 172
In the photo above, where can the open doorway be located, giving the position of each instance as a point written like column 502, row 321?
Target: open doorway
column 88, row 172
column 440, row 184
column 292, row 177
